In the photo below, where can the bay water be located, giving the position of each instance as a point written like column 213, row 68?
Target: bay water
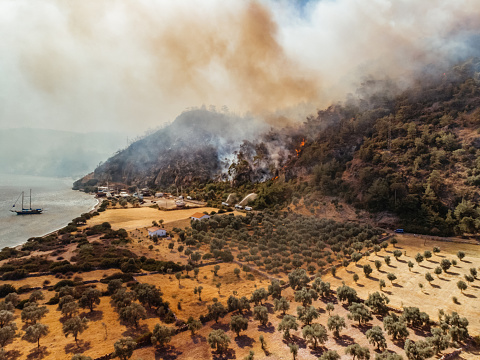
column 60, row 203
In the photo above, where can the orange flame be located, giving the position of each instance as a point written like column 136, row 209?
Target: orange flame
column 302, row 144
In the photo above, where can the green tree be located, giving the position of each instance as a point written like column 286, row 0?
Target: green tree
column 381, row 284
column 391, row 277
column 336, row 323
column 75, row 326
column 329, row 307
column 329, row 355
column 461, row 285
column 259, row 295
column 7, row 333
column 178, row 276
column 438, row 341
column 32, row 313
column 387, row 260
column 132, row 314
column 298, row 279
column 148, row 295
column 395, row 327
column 461, row 255
column 274, row 289
column 355, row 277
column 288, row 323
column 358, row 352
column 397, row 254
column 193, row 325
column 360, row 313
column 427, row 254
column 419, row 350
column 198, row 290
column 307, row 314
column 293, row 350
column 90, row 298
column 386, row 355
column 35, row 332
column 438, row 271
column 215, row 270
column 35, row 296
column 410, row 265
column 347, row 293
column 124, row 348
column 216, row 310
column 367, row 270
column 260, row 313
column 306, row 296
column 315, row 333
column 429, row 278
column 378, row 264
column 375, row 337
column 419, row 258
column 378, row 303
column 161, row 335
column 445, row 264
column 217, row 339
column 238, row 323
column 281, row 304
column 236, row 271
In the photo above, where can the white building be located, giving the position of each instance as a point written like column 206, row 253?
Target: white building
column 199, row 216
column 156, row 231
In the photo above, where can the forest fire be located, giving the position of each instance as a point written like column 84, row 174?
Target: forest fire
column 302, row 144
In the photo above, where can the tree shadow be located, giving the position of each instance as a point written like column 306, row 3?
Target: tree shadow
column 466, row 261
column 318, row 351
column 443, row 279
column 372, row 278
column 402, row 261
column 387, row 292
column 167, row 353
column 12, row 355
column 77, row 348
column 269, row 328
column 225, row 355
column 435, row 286
column 217, row 326
column 360, row 285
column 134, row 332
column 344, row 340
column 426, row 267
column 38, row 353
column 453, row 273
column 397, row 285
column 296, row 340
column 94, row 315
column 243, row 341
column 470, row 296
column 198, row 338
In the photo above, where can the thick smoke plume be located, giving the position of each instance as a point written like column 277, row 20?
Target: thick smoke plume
column 98, row 64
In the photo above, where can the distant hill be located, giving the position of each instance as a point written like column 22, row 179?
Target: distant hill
column 55, row 153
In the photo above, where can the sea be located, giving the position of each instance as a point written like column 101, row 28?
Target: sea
column 61, row 204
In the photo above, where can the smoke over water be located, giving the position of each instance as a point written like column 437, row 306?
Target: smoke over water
column 98, row 64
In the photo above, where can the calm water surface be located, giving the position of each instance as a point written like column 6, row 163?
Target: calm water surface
column 60, row 204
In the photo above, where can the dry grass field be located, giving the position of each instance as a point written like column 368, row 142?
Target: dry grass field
column 135, row 218
column 405, row 291
column 105, row 327
column 184, row 292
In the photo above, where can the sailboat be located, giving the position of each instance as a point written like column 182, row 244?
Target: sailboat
column 24, row 211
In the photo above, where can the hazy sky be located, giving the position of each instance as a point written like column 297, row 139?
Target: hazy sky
column 89, row 65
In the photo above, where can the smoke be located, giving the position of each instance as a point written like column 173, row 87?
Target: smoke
column 130, row 65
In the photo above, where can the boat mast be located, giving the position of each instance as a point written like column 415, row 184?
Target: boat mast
column 22, row 199
column 30, row 199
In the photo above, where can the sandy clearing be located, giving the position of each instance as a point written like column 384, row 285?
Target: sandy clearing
column 135, row 218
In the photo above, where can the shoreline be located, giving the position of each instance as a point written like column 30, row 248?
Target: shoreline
column 92, row 209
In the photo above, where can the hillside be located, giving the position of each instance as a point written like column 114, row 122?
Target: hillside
column 408, row 155
column 192, row 148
